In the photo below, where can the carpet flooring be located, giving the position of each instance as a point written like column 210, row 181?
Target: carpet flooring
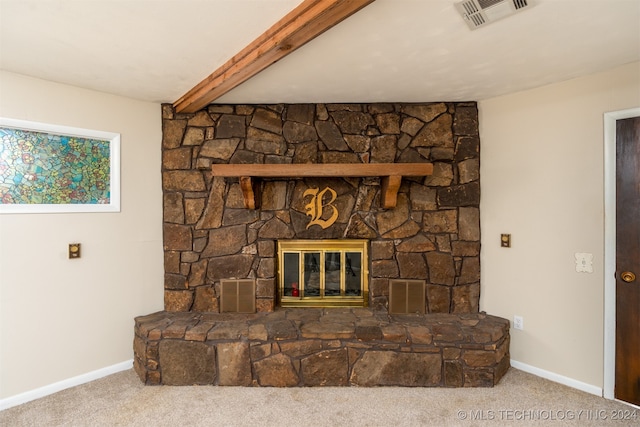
column 521, row 399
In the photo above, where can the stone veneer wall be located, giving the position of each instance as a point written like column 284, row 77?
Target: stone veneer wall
column 432, row 234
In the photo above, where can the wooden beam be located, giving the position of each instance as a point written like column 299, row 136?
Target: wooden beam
column 304, row 23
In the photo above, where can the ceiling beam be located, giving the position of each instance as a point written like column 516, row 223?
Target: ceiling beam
column 307, row 21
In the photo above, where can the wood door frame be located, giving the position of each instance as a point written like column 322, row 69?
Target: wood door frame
column 610, row 119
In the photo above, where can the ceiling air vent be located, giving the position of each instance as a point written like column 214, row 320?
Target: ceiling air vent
column 478, row 13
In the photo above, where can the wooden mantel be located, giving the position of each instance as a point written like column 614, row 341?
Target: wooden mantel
column 391, row 174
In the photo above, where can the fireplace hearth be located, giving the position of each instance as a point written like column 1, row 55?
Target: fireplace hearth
column 321, row 347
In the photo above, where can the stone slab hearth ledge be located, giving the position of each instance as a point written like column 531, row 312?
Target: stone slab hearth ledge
column 293, row 347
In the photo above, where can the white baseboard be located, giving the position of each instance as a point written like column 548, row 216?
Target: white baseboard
column 28, row 396
column 570, row 382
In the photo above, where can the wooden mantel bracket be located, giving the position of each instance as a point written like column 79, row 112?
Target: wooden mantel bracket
column 390, row 173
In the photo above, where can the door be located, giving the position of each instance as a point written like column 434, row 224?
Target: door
column 627, row 376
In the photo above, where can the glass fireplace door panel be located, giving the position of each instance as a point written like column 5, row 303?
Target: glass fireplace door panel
column 312, row 276
column 291, row 274
column 332, row 274
column 353, row 273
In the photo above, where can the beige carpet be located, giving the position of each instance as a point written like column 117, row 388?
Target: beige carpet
column 520, row 399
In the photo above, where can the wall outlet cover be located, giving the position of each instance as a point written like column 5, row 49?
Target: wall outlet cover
column 518, row 322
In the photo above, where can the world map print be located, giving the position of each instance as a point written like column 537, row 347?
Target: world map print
column 44, row 168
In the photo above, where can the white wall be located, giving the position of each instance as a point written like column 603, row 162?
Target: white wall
column 61, row 318
column 543, row 182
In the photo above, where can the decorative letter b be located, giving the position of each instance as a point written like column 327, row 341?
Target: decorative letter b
column 315, row 208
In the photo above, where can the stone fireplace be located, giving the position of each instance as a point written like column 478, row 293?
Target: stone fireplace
column 432, row 234
column 221, row 229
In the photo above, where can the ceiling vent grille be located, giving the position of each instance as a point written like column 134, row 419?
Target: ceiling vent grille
column 478, row 13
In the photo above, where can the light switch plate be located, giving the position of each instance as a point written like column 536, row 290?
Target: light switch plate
column 584, row 262
column 74, row 250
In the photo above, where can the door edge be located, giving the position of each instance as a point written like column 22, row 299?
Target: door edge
column 610, row 119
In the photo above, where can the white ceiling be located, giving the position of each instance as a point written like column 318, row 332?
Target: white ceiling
column 392, row 50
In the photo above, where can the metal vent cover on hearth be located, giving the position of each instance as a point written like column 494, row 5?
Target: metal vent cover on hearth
column 478, row 13
column 406, row 296
column 238, row 296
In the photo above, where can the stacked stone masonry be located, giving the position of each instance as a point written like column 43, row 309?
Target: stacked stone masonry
column 432, row 234
column 321, row 347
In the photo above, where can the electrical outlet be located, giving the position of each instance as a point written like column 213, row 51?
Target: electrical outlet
column 518, row 322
